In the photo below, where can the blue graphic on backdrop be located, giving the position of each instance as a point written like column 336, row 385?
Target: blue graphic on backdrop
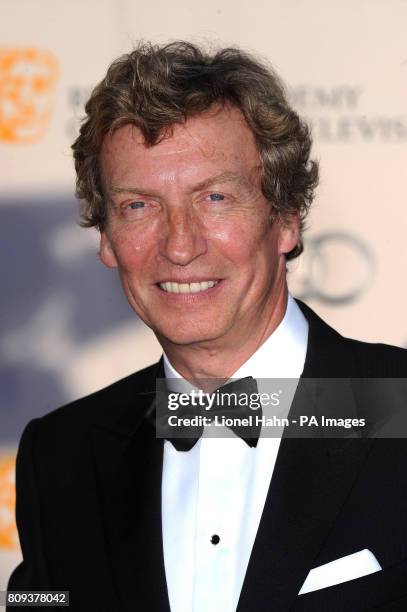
column 56, row 296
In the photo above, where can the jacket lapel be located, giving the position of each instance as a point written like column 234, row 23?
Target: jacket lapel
column 310, row 483
column 308, row 488
column 128, row 466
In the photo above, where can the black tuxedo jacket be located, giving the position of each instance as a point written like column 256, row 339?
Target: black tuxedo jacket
column 89, row 507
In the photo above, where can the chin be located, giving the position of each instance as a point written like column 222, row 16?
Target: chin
column 185, row 335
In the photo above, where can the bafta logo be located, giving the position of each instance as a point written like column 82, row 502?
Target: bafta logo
column 27, row 82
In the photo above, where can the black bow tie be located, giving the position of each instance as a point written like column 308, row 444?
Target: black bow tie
column 230, row 404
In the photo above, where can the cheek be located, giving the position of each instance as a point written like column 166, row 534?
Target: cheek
column 244, row 241
column 131, row 252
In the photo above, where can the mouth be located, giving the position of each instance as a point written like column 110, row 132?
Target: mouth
column 187, row 288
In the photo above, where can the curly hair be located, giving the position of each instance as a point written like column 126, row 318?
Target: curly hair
column 157, row 86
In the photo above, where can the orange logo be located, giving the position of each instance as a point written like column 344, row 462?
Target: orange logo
column 8, row 530
column 27, row 83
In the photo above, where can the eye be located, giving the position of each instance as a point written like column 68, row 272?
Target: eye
column 136, row 209
column 137, row 204
column 216, row 197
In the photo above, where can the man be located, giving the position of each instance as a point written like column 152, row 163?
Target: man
column 196, row 171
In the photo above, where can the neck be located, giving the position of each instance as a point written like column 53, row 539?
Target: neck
column 221, row 359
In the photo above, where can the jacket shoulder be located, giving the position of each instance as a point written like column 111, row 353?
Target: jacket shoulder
column 101, row 406
column 332, row 355
column 378, row 360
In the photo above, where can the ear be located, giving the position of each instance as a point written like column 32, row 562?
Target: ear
column 289, row 234
column 106, row 252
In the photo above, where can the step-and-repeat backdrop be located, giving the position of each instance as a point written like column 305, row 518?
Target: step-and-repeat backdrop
column 66, row 329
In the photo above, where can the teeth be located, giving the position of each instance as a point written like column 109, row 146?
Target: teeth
column 187, row 287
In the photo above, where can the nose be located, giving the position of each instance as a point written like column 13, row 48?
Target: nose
column 182, row 238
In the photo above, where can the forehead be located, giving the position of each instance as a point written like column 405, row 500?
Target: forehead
column 216, row 140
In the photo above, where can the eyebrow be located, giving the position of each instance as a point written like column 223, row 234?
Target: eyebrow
column 117, row 189
column 223, row 177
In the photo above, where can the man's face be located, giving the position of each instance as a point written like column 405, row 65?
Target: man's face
column 188, row 228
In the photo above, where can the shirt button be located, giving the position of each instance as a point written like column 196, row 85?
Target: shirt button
column 215, row 539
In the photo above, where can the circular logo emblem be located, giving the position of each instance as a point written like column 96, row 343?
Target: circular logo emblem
column 336, row 268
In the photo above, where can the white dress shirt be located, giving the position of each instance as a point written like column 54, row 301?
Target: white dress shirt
column 219, row 487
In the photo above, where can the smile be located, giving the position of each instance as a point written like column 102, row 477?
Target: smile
column 172, row 287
